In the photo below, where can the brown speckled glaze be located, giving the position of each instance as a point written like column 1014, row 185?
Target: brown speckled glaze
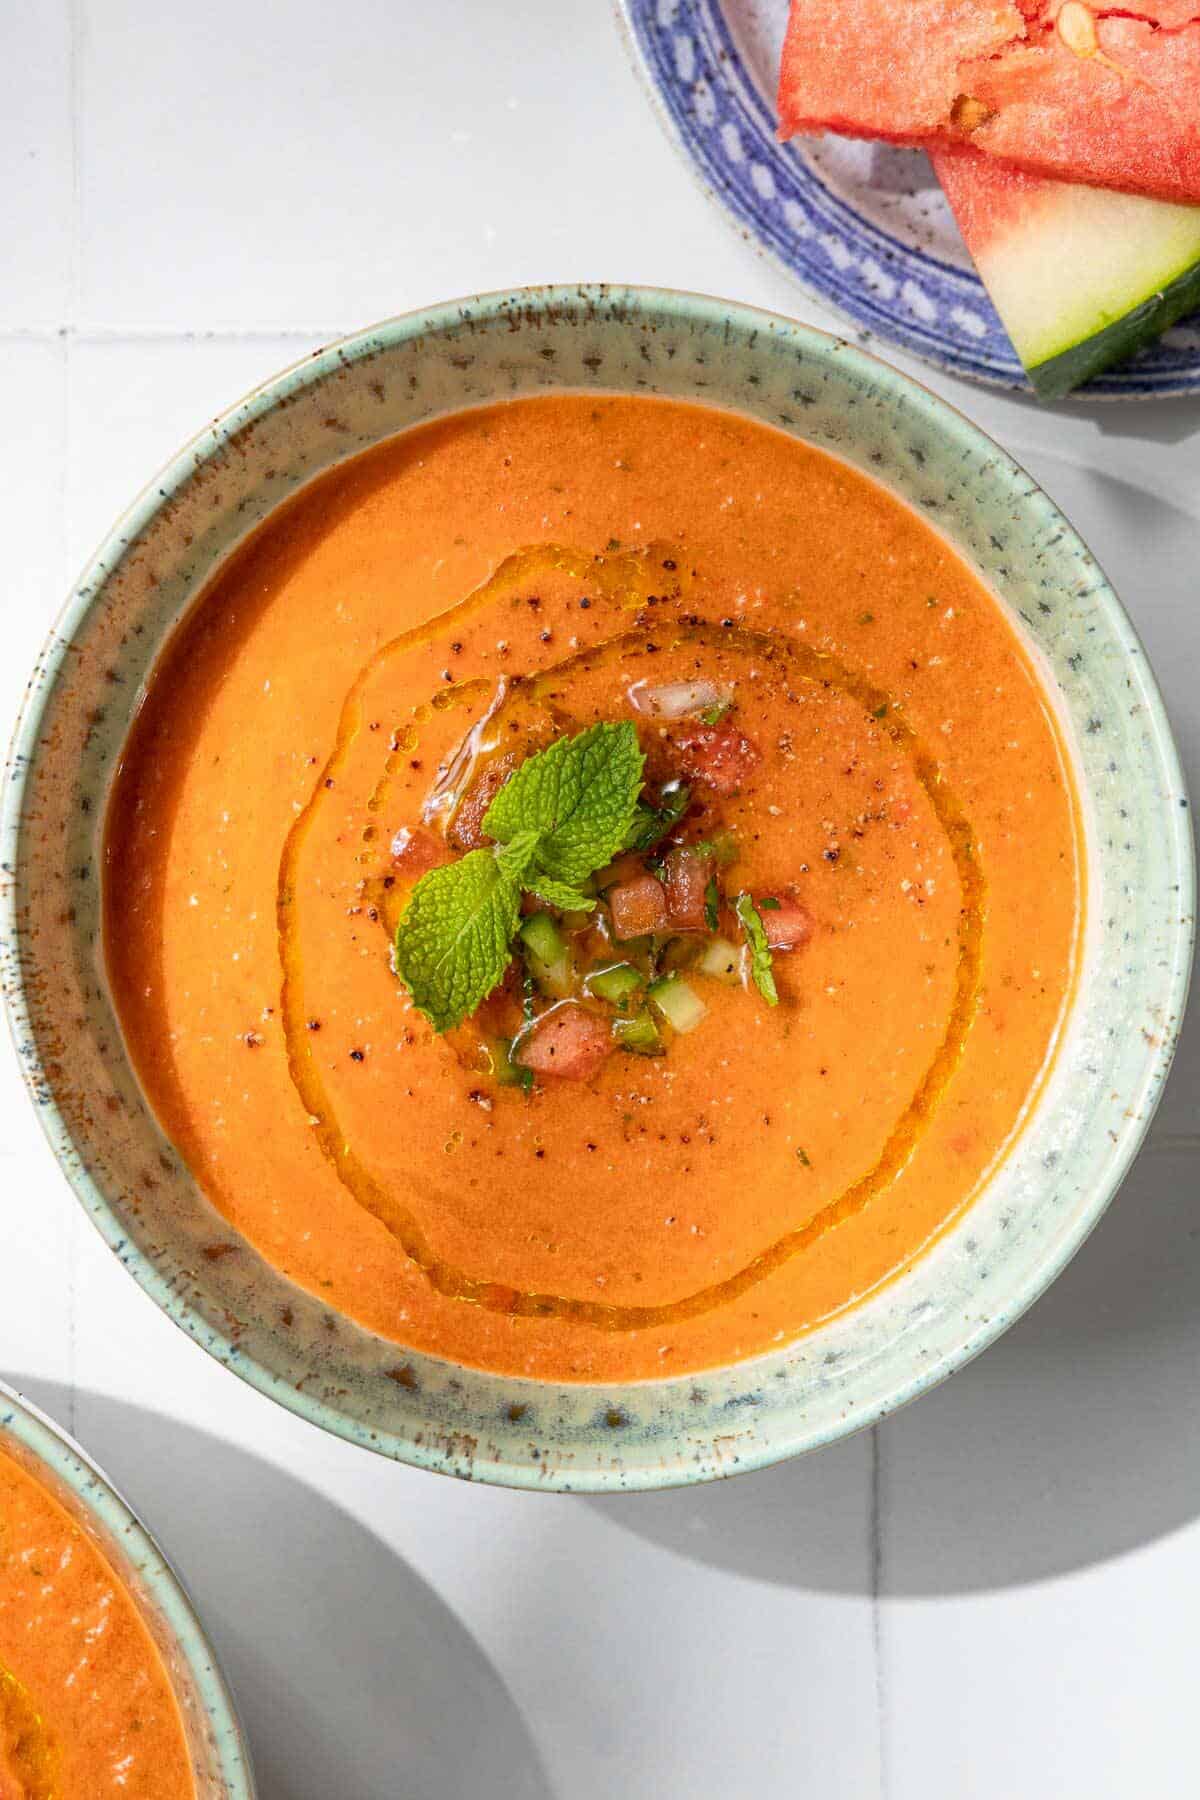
column 1038, row 1206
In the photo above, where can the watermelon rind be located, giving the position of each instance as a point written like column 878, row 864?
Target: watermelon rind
column 1081, row 277
column 1068, row 369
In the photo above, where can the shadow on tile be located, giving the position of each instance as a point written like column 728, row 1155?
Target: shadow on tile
column 1169, row 421
column 351, row 1676
column 1072, row 1440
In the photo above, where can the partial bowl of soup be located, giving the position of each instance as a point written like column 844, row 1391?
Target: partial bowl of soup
column 107, row 1683
column 601, row 890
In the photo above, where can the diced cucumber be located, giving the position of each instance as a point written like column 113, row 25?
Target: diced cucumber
column 504, row 1070
column 546, row 955
column 541, row 935
column 639, row 1034
column 679, row 1004
column 642, row 952
column 712, row 715
column 556, row 980
column 675, row 953
column 616, row 984
column 722, row 960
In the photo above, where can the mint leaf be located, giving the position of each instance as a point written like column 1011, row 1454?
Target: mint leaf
column 644, row 828
column 712, row 904
column 558, row 893
column 760, row 952
column 516, row 857
column 454, row 941
column 579, row 795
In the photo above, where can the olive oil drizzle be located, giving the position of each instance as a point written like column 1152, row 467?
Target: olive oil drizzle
column 621, row 579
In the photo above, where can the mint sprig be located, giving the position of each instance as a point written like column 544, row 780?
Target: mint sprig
column 579, row 796
column 755, row 932
column 563, row 814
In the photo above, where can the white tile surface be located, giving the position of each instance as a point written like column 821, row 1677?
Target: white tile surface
column 991, row 1596
column 289, row 173
column 37, row 191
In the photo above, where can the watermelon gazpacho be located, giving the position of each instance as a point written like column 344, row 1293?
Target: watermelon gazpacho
column 593, row 887
column 1108, row 96
column 87, row 1709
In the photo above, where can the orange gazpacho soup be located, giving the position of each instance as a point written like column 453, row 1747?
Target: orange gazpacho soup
column 86, row 1707
column 592, row 887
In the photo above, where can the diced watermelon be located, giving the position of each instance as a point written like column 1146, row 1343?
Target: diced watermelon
column 416, row 850
column 719, row 755
column 1055, row 87
column 466, row 831
column 686, row 874
column 566, row 1042
column 788, row 924
column 1080, row 276
column 638, row 907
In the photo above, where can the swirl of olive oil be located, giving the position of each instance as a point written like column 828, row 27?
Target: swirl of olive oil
column 623, row 580
column 28, row 1752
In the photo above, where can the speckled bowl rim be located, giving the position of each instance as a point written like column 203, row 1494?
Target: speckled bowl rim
column 117, row 1523
column 205, row 447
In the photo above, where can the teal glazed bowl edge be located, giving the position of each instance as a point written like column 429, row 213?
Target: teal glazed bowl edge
column 1037, row 1206
column 220, row 1761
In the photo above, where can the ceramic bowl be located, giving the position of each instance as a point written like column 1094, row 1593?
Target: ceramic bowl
column 1039, row 1205
column 220, row 1764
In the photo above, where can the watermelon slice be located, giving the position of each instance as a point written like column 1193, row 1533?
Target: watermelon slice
column 1105, row 96
column 1080, row 276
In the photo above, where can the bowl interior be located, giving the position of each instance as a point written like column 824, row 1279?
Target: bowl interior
column 218, row 1753
column 1082, row 1133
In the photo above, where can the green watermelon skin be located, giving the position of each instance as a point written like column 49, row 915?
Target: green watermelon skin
column 1081, row 277
column 1011, row 81
column 1070, row 369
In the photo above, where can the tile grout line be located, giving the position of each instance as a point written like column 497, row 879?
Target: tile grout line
column 75, row 1217
column 74, row 127
column 169, row 334
column 74, row 292
column 876, row 1571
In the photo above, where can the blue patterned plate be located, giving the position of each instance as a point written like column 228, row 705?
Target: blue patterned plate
column 863, row 227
